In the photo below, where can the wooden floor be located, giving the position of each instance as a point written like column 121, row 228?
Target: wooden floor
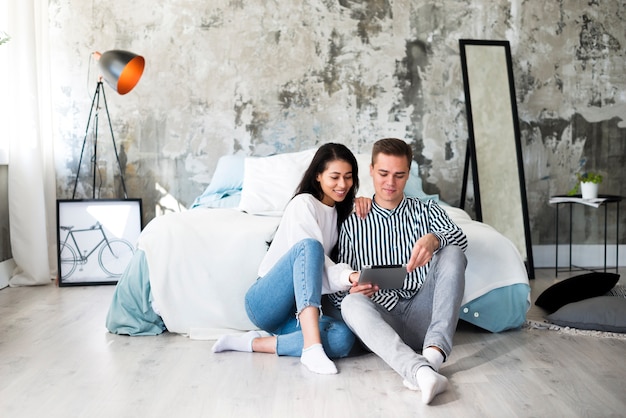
column 58, row 360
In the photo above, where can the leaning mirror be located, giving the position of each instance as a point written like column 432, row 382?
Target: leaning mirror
column 494, row 147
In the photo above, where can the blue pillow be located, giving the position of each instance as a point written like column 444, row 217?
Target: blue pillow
column 228, row 174
column 225, row 187
column 227, row 199
column 500, row 309
column 413, row 186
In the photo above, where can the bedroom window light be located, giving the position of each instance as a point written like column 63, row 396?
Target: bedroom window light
column 4, row 77
column 167, row 203
column 7, row 265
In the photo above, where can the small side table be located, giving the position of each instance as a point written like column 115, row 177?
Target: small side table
column 563, row 200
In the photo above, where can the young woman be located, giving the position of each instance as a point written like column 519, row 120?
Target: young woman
column 298, row 268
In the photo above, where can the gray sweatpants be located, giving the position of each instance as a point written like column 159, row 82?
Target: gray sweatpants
column 427, row 319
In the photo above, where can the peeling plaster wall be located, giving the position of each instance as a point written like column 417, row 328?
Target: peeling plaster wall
column 259, row 77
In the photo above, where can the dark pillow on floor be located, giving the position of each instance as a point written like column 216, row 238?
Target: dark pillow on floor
column 575, row 289
column 603, row 313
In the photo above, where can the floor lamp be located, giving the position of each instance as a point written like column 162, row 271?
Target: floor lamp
column 122, row 71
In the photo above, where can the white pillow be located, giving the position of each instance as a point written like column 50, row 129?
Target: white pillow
column 270, row 182
column 366, row 186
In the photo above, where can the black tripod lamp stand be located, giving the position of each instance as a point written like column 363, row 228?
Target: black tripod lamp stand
column 122, row 71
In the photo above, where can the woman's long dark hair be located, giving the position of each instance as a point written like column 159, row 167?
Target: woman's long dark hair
column 309, row 184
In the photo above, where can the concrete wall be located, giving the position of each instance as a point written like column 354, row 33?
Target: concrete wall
column 258, row 77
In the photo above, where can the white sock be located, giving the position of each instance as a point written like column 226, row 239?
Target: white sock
column 434, row 357
column 236, row 342
column 316, row 360
column 431, row 383
column 410, row 385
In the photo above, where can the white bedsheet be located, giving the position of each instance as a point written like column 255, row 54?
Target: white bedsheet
column 202, row 262
column 492, row 259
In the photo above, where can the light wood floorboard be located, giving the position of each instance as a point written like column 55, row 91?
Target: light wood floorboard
column 58, row 360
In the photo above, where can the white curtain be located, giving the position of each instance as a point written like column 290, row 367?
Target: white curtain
column 27, row 127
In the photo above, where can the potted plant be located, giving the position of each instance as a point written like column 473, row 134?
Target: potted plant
column 4, row 37
column 587, row 184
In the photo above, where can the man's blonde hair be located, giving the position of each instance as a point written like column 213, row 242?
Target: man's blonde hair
column 392, row 146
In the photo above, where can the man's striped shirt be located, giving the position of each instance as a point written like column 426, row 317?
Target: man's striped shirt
column 388, row 236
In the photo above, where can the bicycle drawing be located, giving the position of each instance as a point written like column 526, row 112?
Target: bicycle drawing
column 113, row 254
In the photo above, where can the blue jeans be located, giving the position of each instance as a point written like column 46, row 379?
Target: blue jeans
column 429, row 318
column 275, row 300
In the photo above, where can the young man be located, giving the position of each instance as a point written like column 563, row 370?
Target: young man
column 397, row 324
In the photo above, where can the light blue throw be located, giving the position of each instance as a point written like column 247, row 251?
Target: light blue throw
column 131, row 310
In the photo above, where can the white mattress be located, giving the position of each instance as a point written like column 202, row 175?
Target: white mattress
column 202, row 262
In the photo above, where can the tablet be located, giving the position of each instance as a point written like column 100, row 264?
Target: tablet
column 386, row 277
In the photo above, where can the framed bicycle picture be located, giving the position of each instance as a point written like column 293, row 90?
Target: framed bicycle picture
column 96, row 239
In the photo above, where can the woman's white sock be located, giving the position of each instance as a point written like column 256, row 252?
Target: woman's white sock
column 316, row 360
column 236, row 342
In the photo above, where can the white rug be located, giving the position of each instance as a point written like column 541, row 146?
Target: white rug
column 532, row 324
column 619, row 290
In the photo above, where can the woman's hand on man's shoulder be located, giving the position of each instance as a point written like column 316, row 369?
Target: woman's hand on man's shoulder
column 362, row 206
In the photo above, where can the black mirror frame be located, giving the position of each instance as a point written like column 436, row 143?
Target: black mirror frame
column 513, row 220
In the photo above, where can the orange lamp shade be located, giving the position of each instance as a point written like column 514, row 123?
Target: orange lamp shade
column 120, row 69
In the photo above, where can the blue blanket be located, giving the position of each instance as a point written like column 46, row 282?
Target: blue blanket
column 131, row 310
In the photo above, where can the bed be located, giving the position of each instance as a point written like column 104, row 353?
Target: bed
column 191, row 269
